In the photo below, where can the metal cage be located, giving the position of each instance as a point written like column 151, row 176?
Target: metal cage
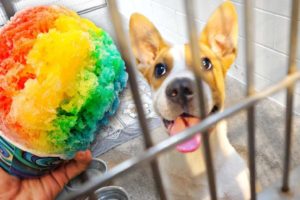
column 288, row 191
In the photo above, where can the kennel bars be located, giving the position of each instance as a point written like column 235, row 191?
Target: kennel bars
column 249, row 33
column 248, row 103
column 290, row 94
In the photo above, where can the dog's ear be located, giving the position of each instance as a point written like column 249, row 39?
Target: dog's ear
column 146, row 41
column 221, row 34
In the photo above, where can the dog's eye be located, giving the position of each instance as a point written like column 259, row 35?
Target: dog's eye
column 206, row 64
column 160, row 70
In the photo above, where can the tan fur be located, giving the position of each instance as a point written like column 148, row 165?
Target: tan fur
column 221, row 33
column 218, row 42
column 146, row 40
column 164, row 57
column 185, row 174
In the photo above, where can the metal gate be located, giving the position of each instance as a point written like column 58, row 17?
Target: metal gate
column 248, row 103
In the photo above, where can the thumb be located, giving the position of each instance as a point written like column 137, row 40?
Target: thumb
column 58, row 178
column 75, row 166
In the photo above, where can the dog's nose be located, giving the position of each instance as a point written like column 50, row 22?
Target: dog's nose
column 180, row 90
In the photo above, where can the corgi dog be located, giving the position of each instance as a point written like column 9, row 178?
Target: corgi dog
column 168, row 70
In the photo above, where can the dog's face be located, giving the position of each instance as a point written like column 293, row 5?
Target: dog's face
column 168, row 69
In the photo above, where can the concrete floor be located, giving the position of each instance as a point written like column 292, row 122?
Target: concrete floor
column 269, row 140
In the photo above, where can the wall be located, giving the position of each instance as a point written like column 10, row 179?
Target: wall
column 272, row 20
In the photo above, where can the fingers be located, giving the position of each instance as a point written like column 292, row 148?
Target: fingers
column 4, row 175
column 9, row 184
column 6, row 179
column 81, row 161
column 59, row 178
column 74, row 167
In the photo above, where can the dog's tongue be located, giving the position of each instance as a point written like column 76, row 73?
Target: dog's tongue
column 179, row 125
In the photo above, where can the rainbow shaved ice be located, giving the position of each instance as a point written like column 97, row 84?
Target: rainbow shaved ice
column 60, row 77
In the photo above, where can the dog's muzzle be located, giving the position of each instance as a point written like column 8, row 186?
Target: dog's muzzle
column 180, row 91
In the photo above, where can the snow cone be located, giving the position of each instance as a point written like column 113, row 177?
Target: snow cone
column 60, row 77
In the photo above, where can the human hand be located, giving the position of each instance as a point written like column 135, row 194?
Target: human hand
column 46, row 187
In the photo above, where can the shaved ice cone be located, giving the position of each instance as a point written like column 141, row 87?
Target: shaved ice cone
column 60, row 77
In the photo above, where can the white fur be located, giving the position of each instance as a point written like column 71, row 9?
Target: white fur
column 162, row 105
column 184, row 175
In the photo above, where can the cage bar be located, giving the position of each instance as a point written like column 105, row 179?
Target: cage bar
column 196, row 62
column 292, row 68
column 130, row 64
column 249, row 31
column 94, row 8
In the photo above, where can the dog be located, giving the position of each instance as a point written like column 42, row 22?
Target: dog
column 168, row 70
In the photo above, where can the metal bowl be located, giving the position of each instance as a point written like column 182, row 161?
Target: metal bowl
column 111, row 193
